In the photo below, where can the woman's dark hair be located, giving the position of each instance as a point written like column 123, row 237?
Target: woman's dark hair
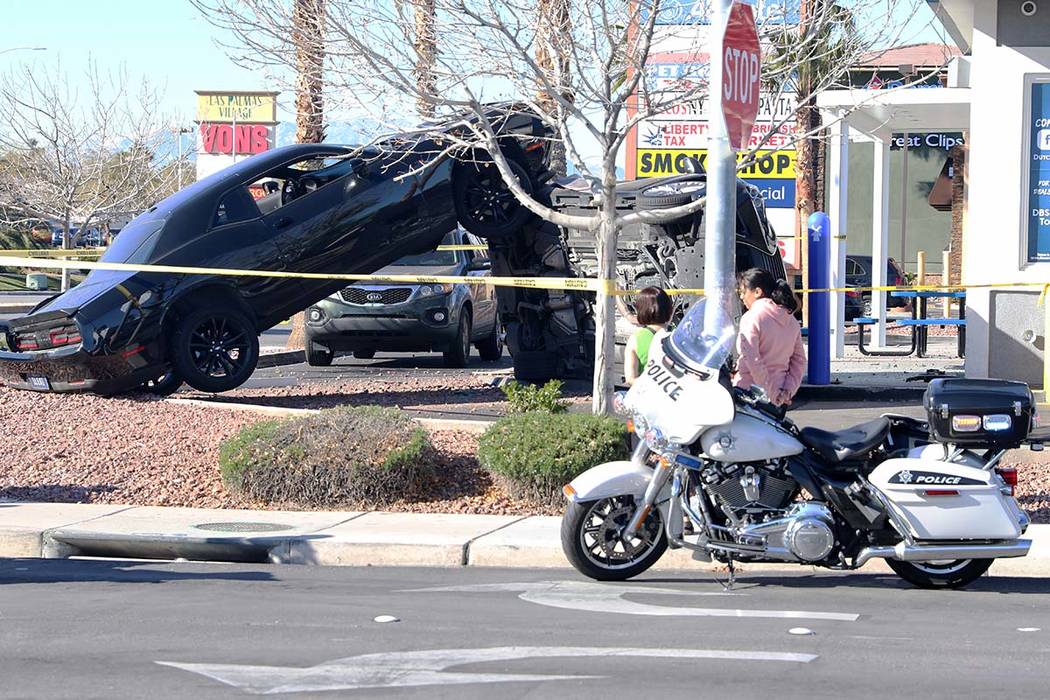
column 652, row 307
column 777, row 290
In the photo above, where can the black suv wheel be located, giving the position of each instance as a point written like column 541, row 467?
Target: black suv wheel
column 459, row 352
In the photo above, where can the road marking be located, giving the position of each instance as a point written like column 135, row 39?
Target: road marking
column 428, row 667
column 605, row 598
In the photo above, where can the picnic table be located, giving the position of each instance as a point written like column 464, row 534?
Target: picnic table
column 919, row 323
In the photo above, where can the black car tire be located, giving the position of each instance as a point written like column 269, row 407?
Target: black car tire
column 484, row 206
column 164, row 385
column 196, row 362
column 491, row 348
column 364, row 354
column 317, row 356
column 459, row 352
column 668, row 194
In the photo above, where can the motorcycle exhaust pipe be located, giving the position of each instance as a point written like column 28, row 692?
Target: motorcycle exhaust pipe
column 905, row 552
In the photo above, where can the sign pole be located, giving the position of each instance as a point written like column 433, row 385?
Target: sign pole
column 720, row 228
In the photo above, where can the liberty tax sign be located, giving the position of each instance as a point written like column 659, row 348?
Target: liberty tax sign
column 741, row 71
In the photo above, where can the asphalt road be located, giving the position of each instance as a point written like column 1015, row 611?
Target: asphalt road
column 107, row 629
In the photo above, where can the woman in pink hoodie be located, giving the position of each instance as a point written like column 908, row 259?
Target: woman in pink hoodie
column 769, row 344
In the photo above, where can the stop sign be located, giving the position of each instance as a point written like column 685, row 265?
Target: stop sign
column 741, row 71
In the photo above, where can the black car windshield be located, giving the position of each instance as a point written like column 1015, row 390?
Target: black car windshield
column 135, row 241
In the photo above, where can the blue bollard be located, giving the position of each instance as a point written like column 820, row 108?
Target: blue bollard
column 818, row 274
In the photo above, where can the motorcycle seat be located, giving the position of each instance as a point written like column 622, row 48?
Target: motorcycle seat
column 844, row 445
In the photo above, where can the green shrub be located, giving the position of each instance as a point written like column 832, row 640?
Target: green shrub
column 352, row 455
column 527, row 398
column 532, row 455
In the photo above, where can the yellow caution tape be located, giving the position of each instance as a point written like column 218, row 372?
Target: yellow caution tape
column 579, row 284
column 588, row 284
column 56, row 252
column 462, row 247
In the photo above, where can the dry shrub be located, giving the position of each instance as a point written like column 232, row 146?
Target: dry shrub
column 365, row 455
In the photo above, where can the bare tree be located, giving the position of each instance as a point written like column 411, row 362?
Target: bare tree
column 578, row 78
column 80, row 156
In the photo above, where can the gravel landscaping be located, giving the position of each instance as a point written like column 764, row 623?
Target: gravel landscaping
column 145, row 451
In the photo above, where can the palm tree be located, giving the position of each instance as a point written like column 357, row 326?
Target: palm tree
column 308, row 22
column 553, row 32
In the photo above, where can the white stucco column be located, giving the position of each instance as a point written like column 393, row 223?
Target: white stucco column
column 880, row 235
column 838, row 196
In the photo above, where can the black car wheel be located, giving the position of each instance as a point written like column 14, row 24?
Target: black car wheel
column 164, row 385
column 491, row 348
column 317, row 356
column 364, row 354
column 215, row 349
column 484, row 205
column 459, row 352
column 669, row 194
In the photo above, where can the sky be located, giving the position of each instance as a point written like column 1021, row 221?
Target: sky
column 166, row 40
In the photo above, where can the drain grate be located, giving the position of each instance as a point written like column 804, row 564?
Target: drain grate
column 243, row 527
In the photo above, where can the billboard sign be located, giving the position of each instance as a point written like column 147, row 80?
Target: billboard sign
column 231, row 124
column 1038, row 205
column 239, row 107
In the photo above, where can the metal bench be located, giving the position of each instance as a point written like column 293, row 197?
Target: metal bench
column 921, row 328
column 863, row 321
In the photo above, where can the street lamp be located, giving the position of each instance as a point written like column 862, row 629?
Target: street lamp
column 24, row 48
column 178, row 137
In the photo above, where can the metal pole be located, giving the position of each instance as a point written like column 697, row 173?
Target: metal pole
column 817, row 269
column 720, row 230
column 904, row 200
column 178, row 137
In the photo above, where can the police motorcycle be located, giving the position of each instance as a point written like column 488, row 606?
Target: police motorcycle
column 724, row 473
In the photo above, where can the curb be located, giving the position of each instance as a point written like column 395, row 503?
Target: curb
column 324, row 538
column 279, row 359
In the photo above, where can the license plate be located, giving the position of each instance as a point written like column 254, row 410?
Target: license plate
column 39, row 383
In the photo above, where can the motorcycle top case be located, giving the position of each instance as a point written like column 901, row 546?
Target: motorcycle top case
column 979, row 412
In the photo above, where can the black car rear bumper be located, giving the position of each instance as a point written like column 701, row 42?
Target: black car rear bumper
column 72, row 369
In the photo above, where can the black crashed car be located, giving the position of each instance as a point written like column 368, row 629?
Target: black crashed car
column 333, row 209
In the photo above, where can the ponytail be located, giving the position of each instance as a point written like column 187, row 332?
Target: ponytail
column 779, row 291
column 784, row 295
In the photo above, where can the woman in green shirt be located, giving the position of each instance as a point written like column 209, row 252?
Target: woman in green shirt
column 652, row 312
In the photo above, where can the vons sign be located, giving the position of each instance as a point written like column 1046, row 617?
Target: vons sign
column 233, row 124
column 242, row 139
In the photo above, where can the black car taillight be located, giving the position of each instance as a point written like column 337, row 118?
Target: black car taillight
column 66, row 335
column 26, row 342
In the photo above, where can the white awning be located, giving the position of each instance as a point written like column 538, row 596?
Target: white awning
column 879, row 113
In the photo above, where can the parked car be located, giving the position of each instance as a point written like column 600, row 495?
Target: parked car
column 365, row 318
column 858, row 274
column 338, row 210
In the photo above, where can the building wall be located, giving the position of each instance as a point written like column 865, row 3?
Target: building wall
column 927, row 229
column 993, row 248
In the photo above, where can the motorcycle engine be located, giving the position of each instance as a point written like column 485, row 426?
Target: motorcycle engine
column 751, row 491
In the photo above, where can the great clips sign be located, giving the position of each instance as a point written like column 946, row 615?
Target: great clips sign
column 228, row 139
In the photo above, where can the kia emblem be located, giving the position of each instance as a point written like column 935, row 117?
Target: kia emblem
column 374, row 296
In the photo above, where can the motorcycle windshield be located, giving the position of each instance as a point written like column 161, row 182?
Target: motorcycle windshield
column 702, row 348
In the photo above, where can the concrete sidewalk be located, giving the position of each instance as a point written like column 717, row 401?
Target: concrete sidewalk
column 324, row 538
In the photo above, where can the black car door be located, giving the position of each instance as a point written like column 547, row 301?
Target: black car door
column 356, row 223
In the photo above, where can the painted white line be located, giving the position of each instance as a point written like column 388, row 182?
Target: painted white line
column 1027, row 629
column 605, row 598
column 429, row 667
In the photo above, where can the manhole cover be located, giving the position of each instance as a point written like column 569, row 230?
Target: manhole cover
column 243, row 527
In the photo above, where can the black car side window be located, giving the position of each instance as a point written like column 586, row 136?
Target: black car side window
column 235, row 206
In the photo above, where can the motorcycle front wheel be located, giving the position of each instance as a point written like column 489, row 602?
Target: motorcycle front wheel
column 592, row 540
column 954, row 573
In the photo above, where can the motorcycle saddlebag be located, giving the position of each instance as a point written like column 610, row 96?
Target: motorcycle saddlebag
column 992, row 413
